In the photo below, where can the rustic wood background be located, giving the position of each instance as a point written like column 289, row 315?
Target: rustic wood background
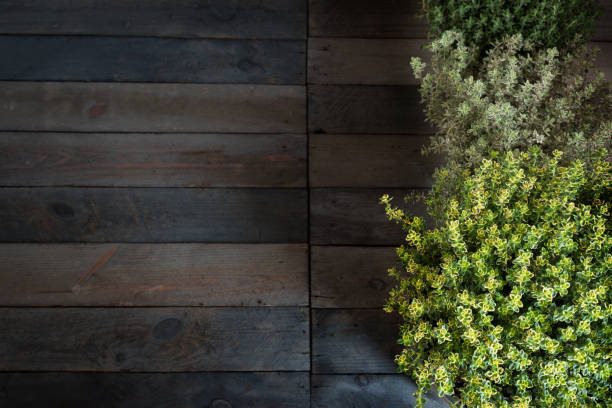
column 189, row 200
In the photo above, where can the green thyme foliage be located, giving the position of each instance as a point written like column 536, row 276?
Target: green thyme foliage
column 521, row 97
column 508, row 302
column 545, row 23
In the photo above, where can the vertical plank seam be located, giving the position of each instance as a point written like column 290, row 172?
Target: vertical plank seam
column 306, row 116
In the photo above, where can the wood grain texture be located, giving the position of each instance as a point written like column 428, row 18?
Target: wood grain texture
column 370, row 161
column 115, row 59
column 177, row 18
column 153, row 275
column 603, row 26
column 354, row 341
column 367, row 391
column 351, row 277
column 154, row 339
column 152, row 160
column 152, row 215
column 174, row 390
column 355, row 217
column 366, row 19
column 363, row 61
column 130, row 107
column 365, row 109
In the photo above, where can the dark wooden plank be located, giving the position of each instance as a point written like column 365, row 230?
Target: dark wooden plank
column 355, row 217
column 367, row 391
column 154, row 339
column 351, row 276
column 363, row 61
column 116, row 59
column 177, row 18
column 365, row 109
column 130, row 107
column 153, row 275
column 603, row 26
column 366, row 18
column 173, row 390
column 152, row 160
column 394, row 19
column 354, row 341
column 370, row 161
column 152, row 215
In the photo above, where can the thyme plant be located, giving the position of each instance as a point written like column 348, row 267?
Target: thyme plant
column 508, row 302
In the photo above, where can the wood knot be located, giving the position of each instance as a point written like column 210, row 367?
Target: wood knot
column 362, row 380
column 376, row 284
column 220, row 403
column 62, row 210
column 96, row 111
column 167, row 329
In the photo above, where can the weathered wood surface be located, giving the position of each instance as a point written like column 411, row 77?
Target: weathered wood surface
column 152, row 160
column 604, row 58
column 366, row 391
column 154, row 339
column 363, row 61
column 354, row 341
column 351, row 277
column 51, row 58
column 355, row 217
column 394, row 19
column 367, row 19
column 174, row 390
column 177, row 18
column 152, row 215
column 131, row 107
column 365, row 109
column 153, row 274
column 370, row 161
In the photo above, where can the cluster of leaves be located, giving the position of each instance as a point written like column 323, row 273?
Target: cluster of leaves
column 508, row 302
column 520, row 97
column 545, row 23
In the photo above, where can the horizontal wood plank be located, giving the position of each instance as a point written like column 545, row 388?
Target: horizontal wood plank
column 363, row 61
column 354, row 341
column 384, row 61
column 132, row 107
column 370, row 161
column 152, row 160
column 156, row 390
column 178, row 18
column 367, row 391
column 153, row 275
column 355, row 217
column 154, row 339
column 366, row 19
column 152, row 215
column 351, row 277
column 366, row 109
column 115, row 59
column 395, row 19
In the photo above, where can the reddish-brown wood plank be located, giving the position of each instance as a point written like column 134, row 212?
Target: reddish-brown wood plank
column 351, row 277
column 152, row 215
column 133, row 107
column 152, row 160
column 153, row 275
column 154, row 339
column 370, row 161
